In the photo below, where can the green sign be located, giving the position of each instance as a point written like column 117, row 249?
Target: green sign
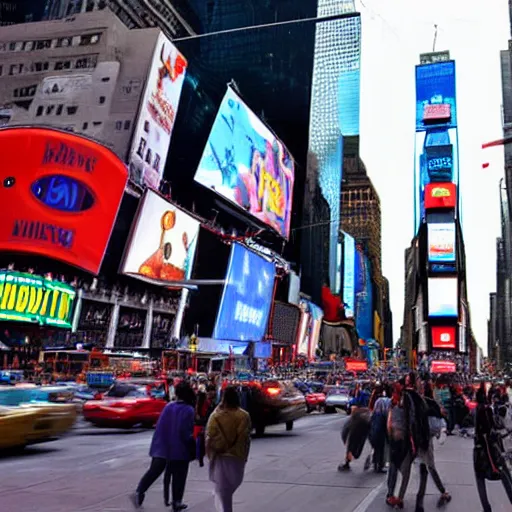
column 30, row 298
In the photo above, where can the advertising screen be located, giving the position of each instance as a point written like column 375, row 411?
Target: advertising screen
column 443, row 337
column 247, row 296
column 443, row 296
column 60, row 195
column 157, row 113
column 441, row 243
column 245, row 163
column 440, row 195
column 435, row 95
column 443, row 367
column 163, row 241
column 31, row 298
column 439, row 162
column 349, row 248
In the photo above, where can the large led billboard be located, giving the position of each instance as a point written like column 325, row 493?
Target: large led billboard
column 443, row 338
column 157, row 113
column 163, row 241
column 247, row 296
column 435, row 95
column 60, row 195
column 430, row 146
column 441, row 242
column 247, row 164
column 443, row 297
column 349, row 254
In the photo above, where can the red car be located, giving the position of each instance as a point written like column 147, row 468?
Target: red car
column 314, row 401
column 127, row 404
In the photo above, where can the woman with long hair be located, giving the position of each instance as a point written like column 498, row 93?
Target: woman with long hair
column 228, row 440
column 488, row 460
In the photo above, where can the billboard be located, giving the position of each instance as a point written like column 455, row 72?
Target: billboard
column 364, row 297
column 443, row 296
column 439, row 149
column 247, row 164
column 60, row 195
column 435, row 95
column 443, row 337
column 245, row 304
column 443, row 367
column 441, row 242
column 163, row 241
column 349, row 249
column 440, row 195
column 31, row 298
column 157, row 113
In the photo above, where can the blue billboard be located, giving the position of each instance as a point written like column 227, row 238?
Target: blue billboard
column 247, row 296
column 435, row 95
column 247, row 164
column 349, row 255
column 364, row 297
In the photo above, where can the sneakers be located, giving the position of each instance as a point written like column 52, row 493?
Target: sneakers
column 177, row 507
column 394, row 502
column 137, row 499
column 444, row 499
column 344, row 467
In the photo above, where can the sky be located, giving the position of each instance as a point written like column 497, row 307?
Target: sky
column 394, row 33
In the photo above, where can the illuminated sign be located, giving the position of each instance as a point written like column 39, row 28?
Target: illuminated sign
column 443, row 337
column 443, row 367
column 60, row 200
column 352, row 365
column 247, row 164
column 30, row 298
column 434, row 114
column 441, row 242
column 439, row 162
column 443, row 294
column 440, row 195
column 434, row 57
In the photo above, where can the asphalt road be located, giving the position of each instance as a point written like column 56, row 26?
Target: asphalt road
column 95, row 470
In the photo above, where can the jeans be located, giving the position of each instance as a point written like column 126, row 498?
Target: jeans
column 405, row 469
column 427, row 466
column 506, row 479
column 177, row 469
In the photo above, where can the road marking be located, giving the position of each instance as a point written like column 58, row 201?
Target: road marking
column 365, row 505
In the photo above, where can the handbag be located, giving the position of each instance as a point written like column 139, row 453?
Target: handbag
column 486, row 460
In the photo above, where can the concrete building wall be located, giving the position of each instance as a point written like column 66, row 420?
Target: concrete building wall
column 85, row 74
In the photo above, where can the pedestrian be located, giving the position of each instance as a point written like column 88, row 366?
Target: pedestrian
column 488, row 460
column 427, row 462
column 172, row 448
column 228, row 439
column 204, row 408
column 378, row 430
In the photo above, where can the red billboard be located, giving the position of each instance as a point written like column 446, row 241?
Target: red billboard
column 354, row 365
column 440, row 195
column 443, row 367
column 59, row 195
column 437, row 113
column 443, row 337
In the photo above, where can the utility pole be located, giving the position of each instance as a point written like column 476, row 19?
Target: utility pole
column 435, row 38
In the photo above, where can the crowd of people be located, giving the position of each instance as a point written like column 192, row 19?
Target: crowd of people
column 402, row 419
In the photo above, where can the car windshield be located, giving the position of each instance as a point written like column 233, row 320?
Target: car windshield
column 338, row 391
column 127, row 391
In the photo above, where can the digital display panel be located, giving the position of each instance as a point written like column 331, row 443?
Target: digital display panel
column 67, row 189
column 246, row 298
column 444, row 337
column 247, row 164
column 441, row 242
column 435, row 95
column 31, row 298
column 443, row 297
column 349, row 248
column 439, row 161
column 157, row 113
column 443, row 367
column 440, row 195
column 163, row 241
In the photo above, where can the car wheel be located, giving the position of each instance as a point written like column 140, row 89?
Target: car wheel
column 260, row 430
column 289, row 426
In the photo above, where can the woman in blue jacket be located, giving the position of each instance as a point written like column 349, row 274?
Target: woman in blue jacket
column 171, row 448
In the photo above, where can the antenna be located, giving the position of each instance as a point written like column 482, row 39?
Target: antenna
column 435, row 38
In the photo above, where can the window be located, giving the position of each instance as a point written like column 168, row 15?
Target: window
column 102, row 100
column 49, row 109
column 142, row 147
column 75, row 41
column 15, row 69
column 46, row 66
column 16, row 93
column 146, row 126
column 42, row 45
column 62, row 64
column 119, row 125
column 127, row 125
column 149, row 156
column 39, row 111
column 97, row 123
column 12, row 46
column 37, row 67
column 28, row 46
column 72, row 110
column 59, row 110
column 156, row 163
column 85, row 126
column 19, row 46
column 63, row 42
column 1, row 69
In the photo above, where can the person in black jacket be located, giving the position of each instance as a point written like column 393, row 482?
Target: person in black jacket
column 488, row 460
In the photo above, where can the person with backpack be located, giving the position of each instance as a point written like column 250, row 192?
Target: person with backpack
column 488, row 460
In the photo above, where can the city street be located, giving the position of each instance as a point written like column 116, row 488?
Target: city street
column 95, row 470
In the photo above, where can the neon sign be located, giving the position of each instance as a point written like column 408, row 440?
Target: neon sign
column 31, row 298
